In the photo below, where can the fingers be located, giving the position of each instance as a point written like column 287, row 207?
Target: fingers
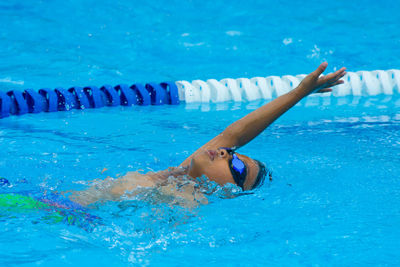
column 320, row 69
column 331, row 79
column 329, row 89
column 340, row 73
column 335, row 75
column 337, row 82
column 338, row 77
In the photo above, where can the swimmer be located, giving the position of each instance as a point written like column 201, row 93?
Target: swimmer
column 218, row 159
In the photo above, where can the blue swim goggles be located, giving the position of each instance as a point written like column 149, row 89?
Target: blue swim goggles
column 237, row 167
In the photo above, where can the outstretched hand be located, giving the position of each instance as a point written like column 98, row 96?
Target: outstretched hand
column 313, row 83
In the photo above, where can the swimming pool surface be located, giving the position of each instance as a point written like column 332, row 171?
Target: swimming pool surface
column 335, row 197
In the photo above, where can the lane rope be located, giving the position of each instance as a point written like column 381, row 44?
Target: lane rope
column 360, row 83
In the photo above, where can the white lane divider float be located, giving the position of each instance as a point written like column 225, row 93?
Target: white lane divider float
column 360, row 83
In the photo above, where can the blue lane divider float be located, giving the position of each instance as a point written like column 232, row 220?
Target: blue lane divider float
column 5, row 105
column 126, row 95
column 51, row 99
column 142, row 94
column 34, row 101
column 157, row 94
column 80, row 96
column 94, row 96
column 172, row 92
column 112, row 97
column 19, row 105
column 60, row 99
column 66, row 100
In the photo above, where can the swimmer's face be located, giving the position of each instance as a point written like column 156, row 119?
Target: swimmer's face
column 215, row 165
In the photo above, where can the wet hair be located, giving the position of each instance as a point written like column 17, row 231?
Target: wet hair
column 262, row 173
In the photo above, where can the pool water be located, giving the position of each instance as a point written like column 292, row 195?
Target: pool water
column 335, row 195
column 334, row 198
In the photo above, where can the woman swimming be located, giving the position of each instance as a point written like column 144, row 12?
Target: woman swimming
column 218, row 159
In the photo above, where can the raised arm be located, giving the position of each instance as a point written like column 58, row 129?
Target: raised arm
column 247, row 128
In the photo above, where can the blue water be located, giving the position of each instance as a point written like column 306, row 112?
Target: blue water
column 65, row 43
column 335, row 197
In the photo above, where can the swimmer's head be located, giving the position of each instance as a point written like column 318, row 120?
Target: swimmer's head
column 218, row 166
